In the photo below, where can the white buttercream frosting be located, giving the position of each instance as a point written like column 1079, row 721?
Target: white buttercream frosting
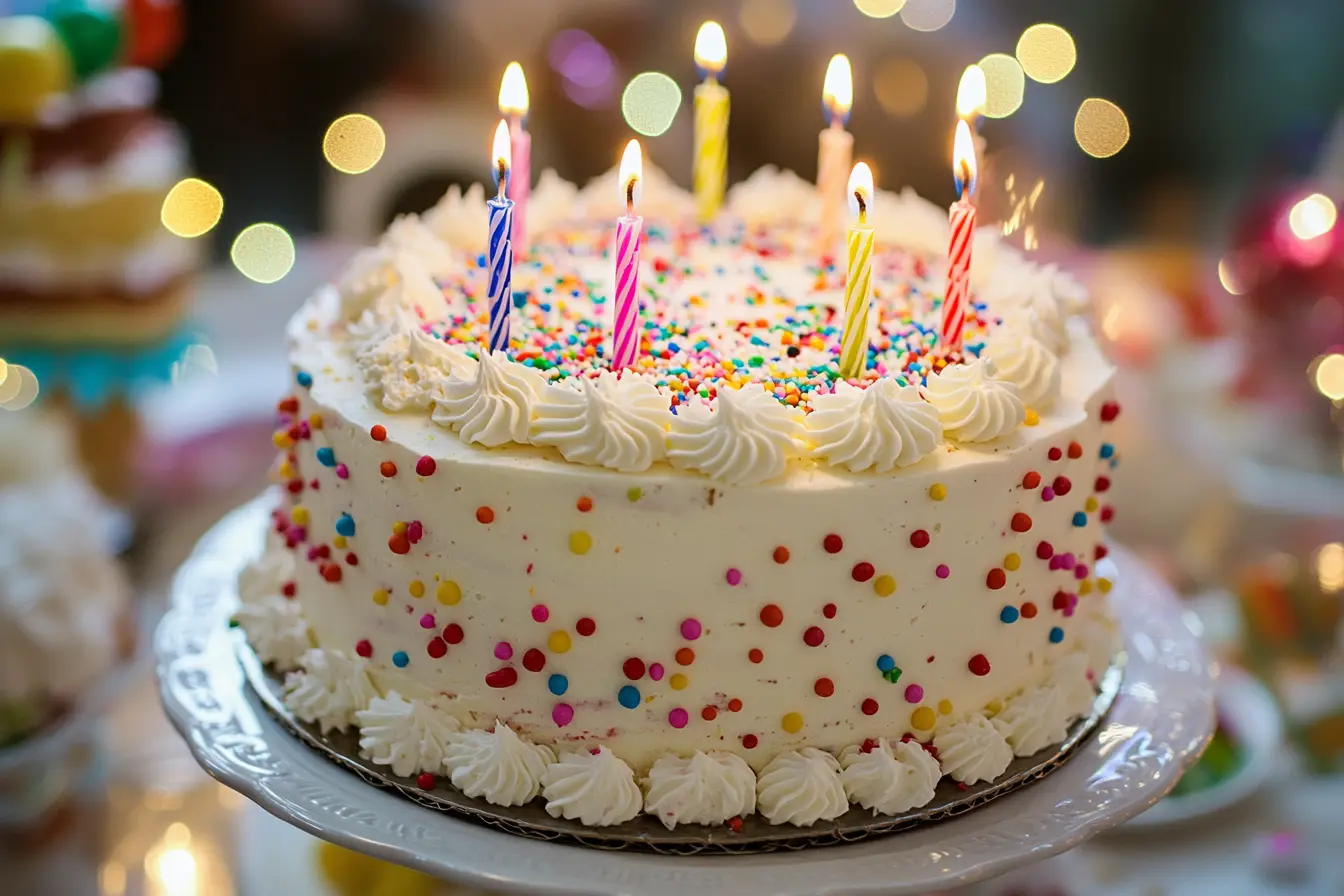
column 770, row 196
column 884, row 426
column 602, row 198
column 973, row 403
column 408, row 736
column 801, row 787
column 265, row 576
column 413, row 239
column 606, row 421
column 1022, row 359
column 912, row 222
column 595, row 787
column 456, row 218
column 492, row 405
column 551, row 203
column 1024, row 284
column 1069, row 675
column 276, row 630
column 890, row 778
column 1033, row 720
column 329, row 690
column 497, row 766
column 404, row 366
column 973, row 750
column 747, row 438
column 708, row 788
column 1099, row 634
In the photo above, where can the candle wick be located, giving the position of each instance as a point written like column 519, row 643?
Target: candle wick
column 863, row 206
column 966, row 178
column 630, row 198
column 503, row 180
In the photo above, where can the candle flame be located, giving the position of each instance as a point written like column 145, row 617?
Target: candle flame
column 501, row 157
column 963, row 160
column 861, row 191
column 711, row 48
column 513, row 98
column 971, row 92
column 632, row 175
column 837, row 92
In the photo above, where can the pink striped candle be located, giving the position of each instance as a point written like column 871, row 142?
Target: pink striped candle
column 625, row 333
column 513, row 102
column 957, row 297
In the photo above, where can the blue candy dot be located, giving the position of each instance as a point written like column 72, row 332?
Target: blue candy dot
column 628, row 696
column 1080, row 519
column 558, row 684
column 1056, row 635
column 400, row 659
column 1008, row 614
column 345, row 525
column 885, row 663
column 1107, row 449
column 303, row 378
column 326, row 457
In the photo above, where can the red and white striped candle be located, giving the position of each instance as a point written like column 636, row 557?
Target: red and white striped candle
column 957, row 297
column 629, row 229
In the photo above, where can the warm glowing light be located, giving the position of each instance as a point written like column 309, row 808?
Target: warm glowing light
column 263, row 252
column 901, row 87
column 192, row 208
column 879, row 9
column 928, row 15
column 711, row 48
column 1330, row 377
column 861, row 185
column 176, row 871
column 1100, row 128
column 971, row 92
column 632, row 174
column 963, row 159
column 837, row 91
column 513, row 98
column 1047, row 53
column 1228, row 278
column 1330, row 567
column 767, row 22
column 1312, row 216
column 1004, row 85
column 10, row 385
column 650, row 103
column 501, row 150
column 112, row 879
column 18, row 389
column 354, row 144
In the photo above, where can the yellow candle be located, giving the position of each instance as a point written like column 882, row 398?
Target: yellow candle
column 858, row 276
column 710, row 174
column 836, row 151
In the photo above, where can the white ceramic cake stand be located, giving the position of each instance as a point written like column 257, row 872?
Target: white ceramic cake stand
column 1159, row 724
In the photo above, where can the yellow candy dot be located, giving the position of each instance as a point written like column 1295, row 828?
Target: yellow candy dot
column 922, row 719
column 1031, row 418
column 944, row 707
column 315, row 420
column 300, row 515
column 1012, row 562
column 417, row 588
column 380, row 597
column 287, row 470
column 937, row 491
column 884, row 586
column 634, row 494
column 1104, row 586
column 558, row 642
column 282, row 440
column 398, row 528
column 993, row 708
column 449, row 593
column 792, row 722
column 678, row 682
column 1084, row 587
column 1091, row 505
column 580, row 542
column 338, row 541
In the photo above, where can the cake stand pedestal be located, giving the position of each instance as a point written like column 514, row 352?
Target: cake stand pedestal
column 1157, row 727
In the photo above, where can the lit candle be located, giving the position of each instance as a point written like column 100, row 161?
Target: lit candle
column 962, row 214
column 836, row 152
column 710, row 175
column 625, row 334
column 500, row 244
column 858, row 275
column 513, row 103
column 971, row 98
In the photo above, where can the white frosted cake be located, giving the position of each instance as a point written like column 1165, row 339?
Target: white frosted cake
column 723, row 581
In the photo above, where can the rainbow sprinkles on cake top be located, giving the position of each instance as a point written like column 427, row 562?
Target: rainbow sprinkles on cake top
column 739, row 518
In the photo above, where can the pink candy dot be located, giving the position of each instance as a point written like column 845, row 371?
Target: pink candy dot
column 942, row 571
column 914, row 694
column 656, row 671
column 678, row 718
column 503, row 650
column 342, row 471
column 690, row 629
column 1047, row 494
column 734, row 576
column 540, row 613
column 562, row 714
column 427, row 621
column 1080, row 571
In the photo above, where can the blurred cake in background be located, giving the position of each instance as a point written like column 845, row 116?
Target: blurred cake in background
column 92, row 286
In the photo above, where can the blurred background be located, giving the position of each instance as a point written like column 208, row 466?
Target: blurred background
column 1185, row 158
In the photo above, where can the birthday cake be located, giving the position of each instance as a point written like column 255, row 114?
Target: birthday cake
column 720, row 581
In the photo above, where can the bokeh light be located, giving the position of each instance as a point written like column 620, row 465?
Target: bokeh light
column 18, row 389
column 767, row 22
column 354, row 143
column 901, row 86
column 1330, row 376
column 1004, row 85
column 263, row 252
column 192, row 208
column 1330, row 567
column 1227, row 276
column 879, row 9
column 586, row 69
column 1100, row 128
column 1046, row 52
column 928, row 15
column 9, row 383
column 1312, row 216
column 650, row 103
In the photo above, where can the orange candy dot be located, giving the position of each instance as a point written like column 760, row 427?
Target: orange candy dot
column 996, row 579
column 781, row 554
column 734, row 705
column 755, row 655
column 378, row 432
column 771, row 615
column 584, row 504
column 1028, row 610
column 685, row 656
column 709, row 713
column 388, row 469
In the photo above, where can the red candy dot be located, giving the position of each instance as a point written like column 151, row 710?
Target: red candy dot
column 633, row 668
column 1109, row 411
column 1100, row 551
column 833, row 543
column 813, row 636
column 425, row 466
column 1075, row 450
column 485, row 516
column 996, row 579
column 1062, row 485
column 437, row 648
column 1055, row 454
column 1102, row 484
column 919, row 538
column 755, row 655
column 364, row 649
column 388, row 469
column 781, row 554
column 1060, row 601
column 862, row 572
column 771, row 615
column 823, row 687
column 453, row 634
column 749, row 741
column 1031, row 480
column 709, row 713
column 289, row 589
column 585, row 626
column 378, row 432
column 734, row 705
column 1021, row 522
column 351, row 559
column 1107, row 514
column 1045, row 550
column 978, row 665
column 502, row 678
column 584, row 504
column 399, row 544
column 534, row 660
column 425, row 781
column 331, row 572
column 869, row 706
column 1028, row 610
column 828, row 611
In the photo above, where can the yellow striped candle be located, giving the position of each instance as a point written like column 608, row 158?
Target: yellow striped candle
column 858, row 276
column 710, row 175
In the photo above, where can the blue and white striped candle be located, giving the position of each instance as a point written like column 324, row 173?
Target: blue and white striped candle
column 500, row 245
